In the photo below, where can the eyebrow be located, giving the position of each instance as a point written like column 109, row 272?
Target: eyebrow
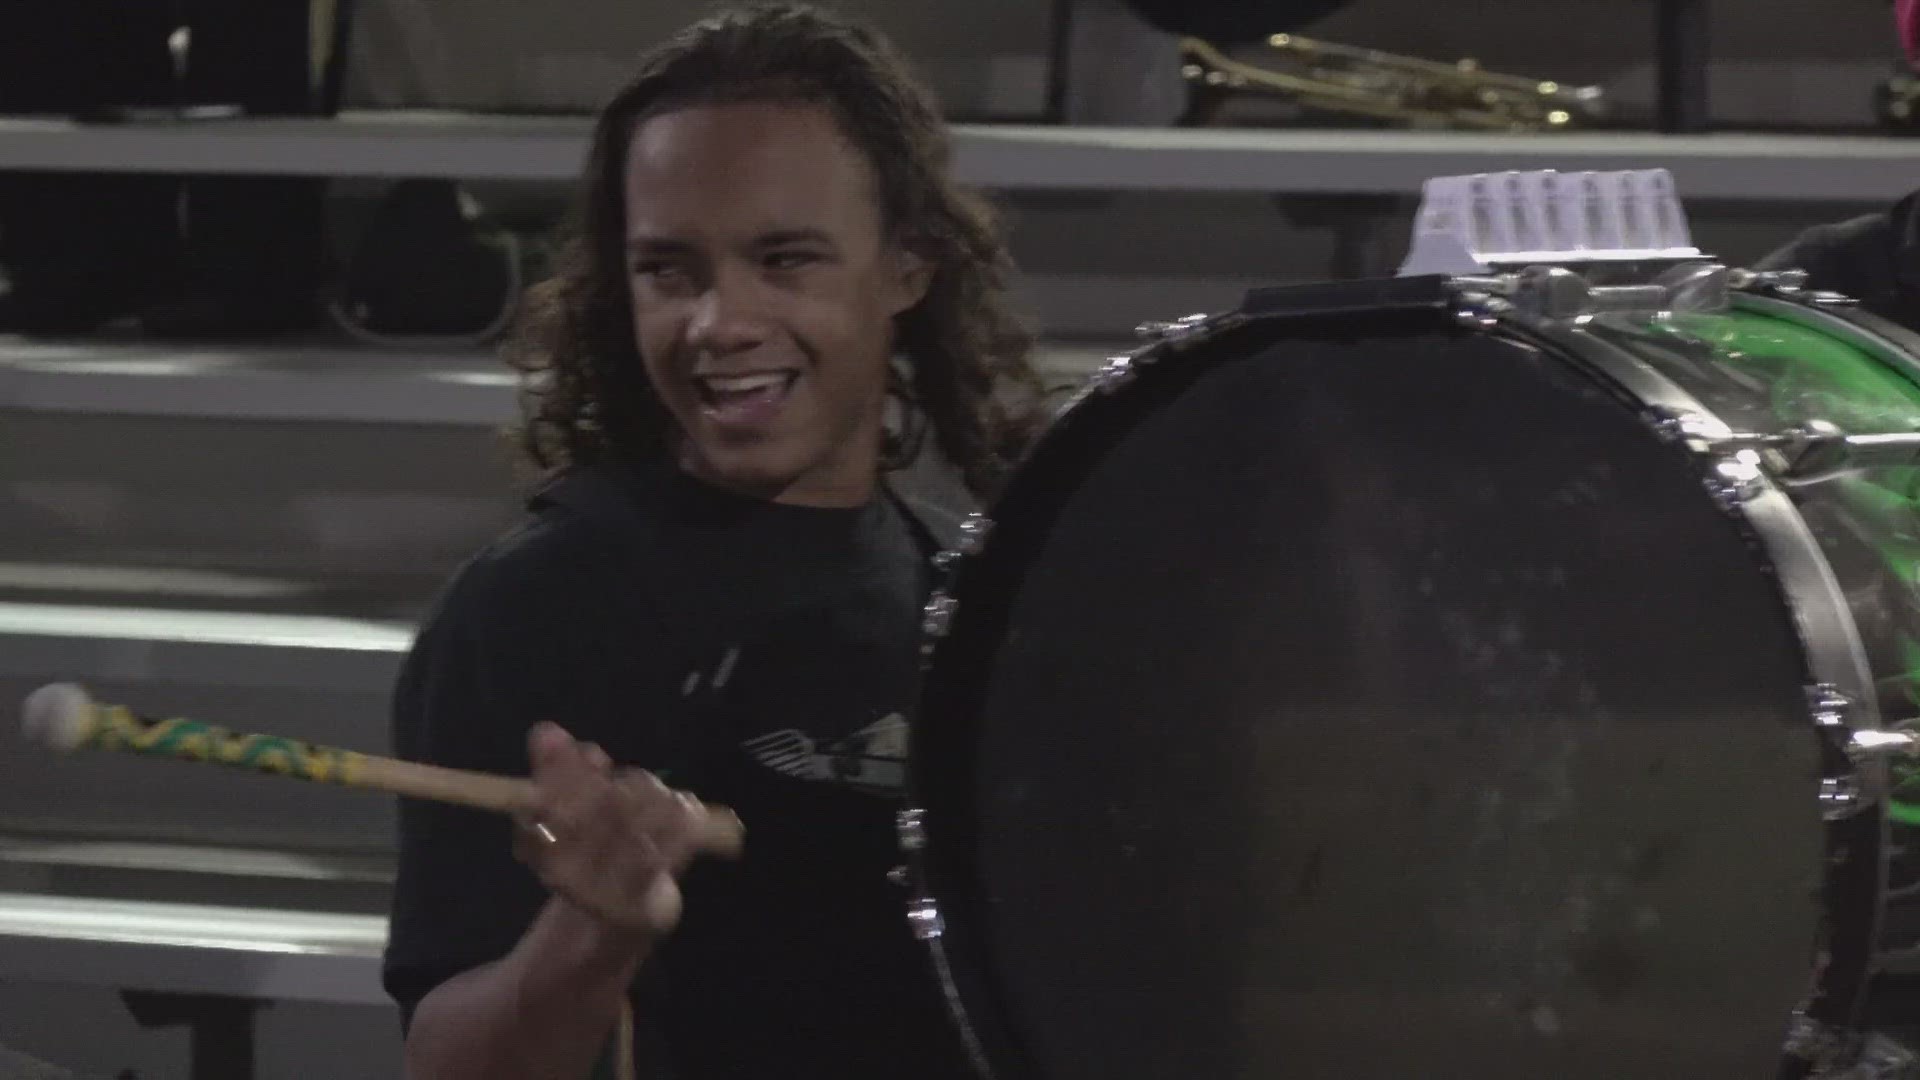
column 638, row 244
column 769, row 238
column 777, row 237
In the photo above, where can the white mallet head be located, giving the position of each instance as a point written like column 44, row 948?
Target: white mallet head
column 58, row 716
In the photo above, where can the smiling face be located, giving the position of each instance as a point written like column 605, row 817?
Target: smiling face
column 764, row 288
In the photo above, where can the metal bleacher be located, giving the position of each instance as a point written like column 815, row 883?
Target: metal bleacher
column 1001, row 158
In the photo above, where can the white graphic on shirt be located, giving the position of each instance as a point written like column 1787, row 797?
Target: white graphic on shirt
column 720, row 676
column 873, row 759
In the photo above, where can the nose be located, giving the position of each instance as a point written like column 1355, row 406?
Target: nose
column 727, row 318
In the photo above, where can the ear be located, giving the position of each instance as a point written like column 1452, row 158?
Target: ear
column 910, row 276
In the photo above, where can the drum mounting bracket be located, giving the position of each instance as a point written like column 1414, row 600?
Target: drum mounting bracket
column 1818, row 451
column 1557, row 294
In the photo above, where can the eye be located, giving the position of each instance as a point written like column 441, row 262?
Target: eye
column 791, row 260
column 663, row 277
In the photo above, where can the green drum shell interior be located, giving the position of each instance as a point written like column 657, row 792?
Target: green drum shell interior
column 1768, row 375
column 1768, row 367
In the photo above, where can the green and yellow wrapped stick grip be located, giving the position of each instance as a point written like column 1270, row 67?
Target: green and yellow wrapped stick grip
column 66, row 717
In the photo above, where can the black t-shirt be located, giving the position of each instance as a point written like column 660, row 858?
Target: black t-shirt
column 761, row 656
column 1874, row 258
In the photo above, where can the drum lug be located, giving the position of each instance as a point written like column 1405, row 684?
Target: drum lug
column 1768, row 281
column 974, row 532
column 1831, row 707
column 1867, row 750
column 1841, row 798
column 1735, row 474
column 1870, row 1057
column 1479, row 308
column 1833, row 711
column 1737, row 478
column 1883, row 1058
column 1167, row 338
column 900, row 876
column 1475, row 318
column 973, row 538
column 1836, row 1053
column 923, row 914
column 1162, row 338
column 1816, row 1042
column 1682, row 426
column 1812, row 453
column 910, row 826
column 1830, row 299
column 938, row 615
column 1114, row 374
column 1169, row 331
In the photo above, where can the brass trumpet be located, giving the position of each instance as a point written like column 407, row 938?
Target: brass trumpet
column 1341, row 79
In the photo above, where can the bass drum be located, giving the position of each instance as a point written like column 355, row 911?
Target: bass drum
column 1363, row 685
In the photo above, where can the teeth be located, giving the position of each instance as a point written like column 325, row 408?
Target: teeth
column 743, row 384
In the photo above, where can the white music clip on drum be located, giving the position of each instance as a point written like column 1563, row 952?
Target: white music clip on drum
column 1478, row 223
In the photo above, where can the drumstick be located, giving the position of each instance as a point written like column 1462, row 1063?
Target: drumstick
column 65, row 717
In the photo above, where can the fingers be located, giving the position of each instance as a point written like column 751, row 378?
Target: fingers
column 664, row 903
column 555, row 753
column 597, row 760
column 550, row 747
column 722, row 833
column 565, row 772
column 612, row 840
column 671, row 823
column 680, row 823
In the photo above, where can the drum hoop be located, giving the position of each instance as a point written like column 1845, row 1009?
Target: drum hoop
column 1830, row 645
column 930, row 912
column 1892, row 344
column 1829, row 638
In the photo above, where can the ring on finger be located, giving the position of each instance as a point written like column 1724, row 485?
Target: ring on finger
column 540, row 829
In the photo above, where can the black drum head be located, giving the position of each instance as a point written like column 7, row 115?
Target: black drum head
column 1380, row 707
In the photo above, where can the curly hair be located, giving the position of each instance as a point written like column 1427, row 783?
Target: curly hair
column 968, row 376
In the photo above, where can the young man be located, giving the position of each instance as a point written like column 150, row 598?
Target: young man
column 716, row 586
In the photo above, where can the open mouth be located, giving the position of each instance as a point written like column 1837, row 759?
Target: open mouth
column 752, row 396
